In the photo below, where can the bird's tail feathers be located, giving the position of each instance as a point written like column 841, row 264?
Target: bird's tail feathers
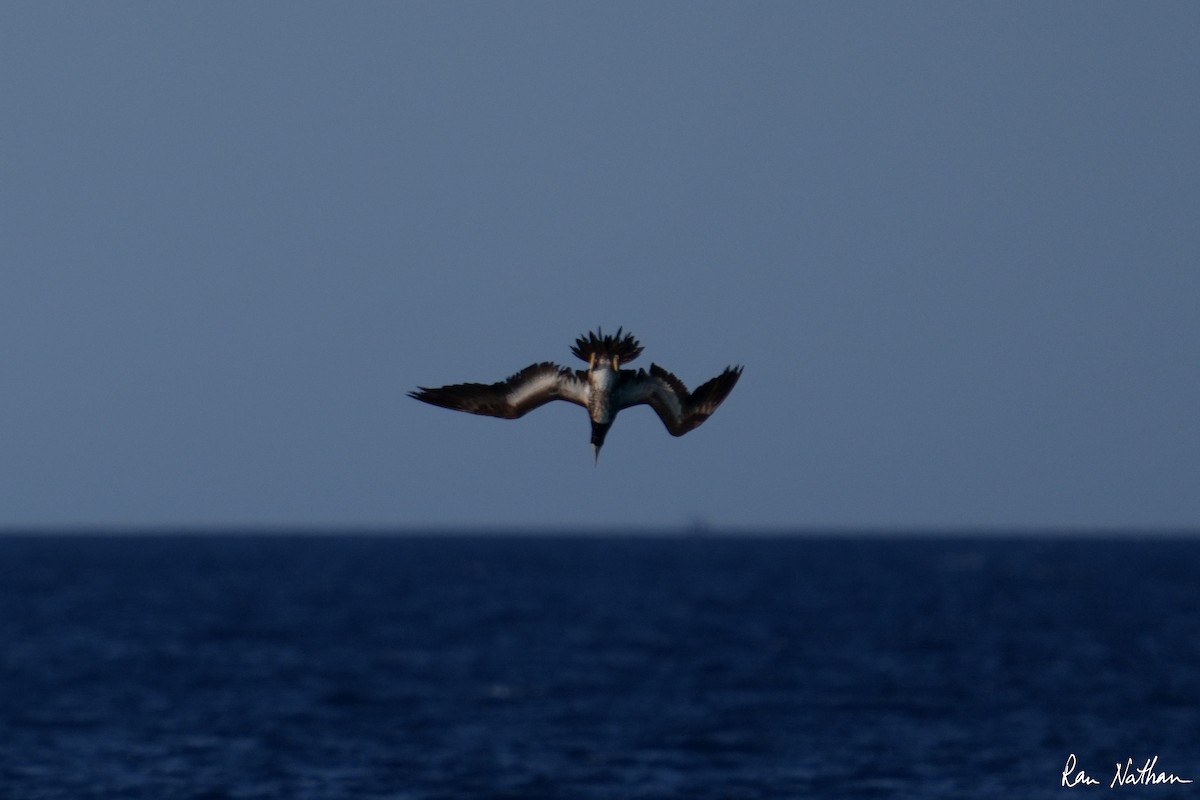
column 597, row 345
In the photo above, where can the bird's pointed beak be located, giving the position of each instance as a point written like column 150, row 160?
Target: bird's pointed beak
column 598, row 432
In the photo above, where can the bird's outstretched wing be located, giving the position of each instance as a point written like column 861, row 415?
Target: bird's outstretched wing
column 679, row 409
column 533, row 386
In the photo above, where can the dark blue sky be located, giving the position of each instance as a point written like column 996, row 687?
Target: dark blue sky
column 955, row 245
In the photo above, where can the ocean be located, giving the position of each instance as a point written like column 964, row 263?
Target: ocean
column 170, row 667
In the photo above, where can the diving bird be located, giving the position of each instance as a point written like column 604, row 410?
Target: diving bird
column 603, row 389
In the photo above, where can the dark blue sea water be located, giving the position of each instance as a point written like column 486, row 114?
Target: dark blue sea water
column 299, row 667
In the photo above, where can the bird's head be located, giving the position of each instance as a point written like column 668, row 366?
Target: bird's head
column 599, row 431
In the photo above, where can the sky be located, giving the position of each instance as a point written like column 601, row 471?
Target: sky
column 956, row 247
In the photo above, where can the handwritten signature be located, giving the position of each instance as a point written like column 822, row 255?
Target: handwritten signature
column 1126, row 775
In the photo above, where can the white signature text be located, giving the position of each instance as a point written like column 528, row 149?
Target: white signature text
column 1126, row 774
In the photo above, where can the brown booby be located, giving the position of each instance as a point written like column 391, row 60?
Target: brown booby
column 603, row 389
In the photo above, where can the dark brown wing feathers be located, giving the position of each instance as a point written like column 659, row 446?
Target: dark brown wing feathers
column 679, row 409
column 513, row 397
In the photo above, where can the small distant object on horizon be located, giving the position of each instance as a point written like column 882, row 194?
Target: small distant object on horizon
column 603, row 389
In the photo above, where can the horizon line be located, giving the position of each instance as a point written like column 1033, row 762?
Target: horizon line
column 699, row 529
